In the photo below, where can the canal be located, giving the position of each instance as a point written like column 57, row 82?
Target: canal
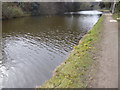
column 34, row 46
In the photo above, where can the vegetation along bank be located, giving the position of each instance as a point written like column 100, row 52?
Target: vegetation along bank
column 116, row 14
column 20, row 9
column 74, row 72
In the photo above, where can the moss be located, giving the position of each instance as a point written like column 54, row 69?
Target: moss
column 73, row 73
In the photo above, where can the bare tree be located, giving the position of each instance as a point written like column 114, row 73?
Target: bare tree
column 113, row 6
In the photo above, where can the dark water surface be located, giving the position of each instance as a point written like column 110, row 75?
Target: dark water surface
column 34, row 46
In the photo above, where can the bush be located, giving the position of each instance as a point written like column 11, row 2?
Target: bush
column 11, row 11
column 118, row 7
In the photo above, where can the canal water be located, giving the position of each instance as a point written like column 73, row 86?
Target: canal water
column 34, row 46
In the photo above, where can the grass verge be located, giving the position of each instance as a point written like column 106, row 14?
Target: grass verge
column 116, row 16
column 104, row 10
column 73, row 73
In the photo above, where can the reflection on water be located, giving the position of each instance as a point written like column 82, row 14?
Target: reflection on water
column 85, row 13
column 34, row 46
column 90, row 12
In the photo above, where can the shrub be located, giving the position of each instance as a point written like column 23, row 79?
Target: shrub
column 11, row 11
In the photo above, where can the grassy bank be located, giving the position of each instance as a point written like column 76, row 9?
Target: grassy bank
column 73, row 73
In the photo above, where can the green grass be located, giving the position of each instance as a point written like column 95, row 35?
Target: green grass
column 104, row 10
column 73, row 73
column 115, row 16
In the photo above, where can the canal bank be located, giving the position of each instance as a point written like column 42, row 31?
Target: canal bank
column 75, row 72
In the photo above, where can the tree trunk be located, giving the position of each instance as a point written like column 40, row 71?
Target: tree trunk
column 113, row 9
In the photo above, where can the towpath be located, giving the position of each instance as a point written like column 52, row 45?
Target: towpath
column 107, row 73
